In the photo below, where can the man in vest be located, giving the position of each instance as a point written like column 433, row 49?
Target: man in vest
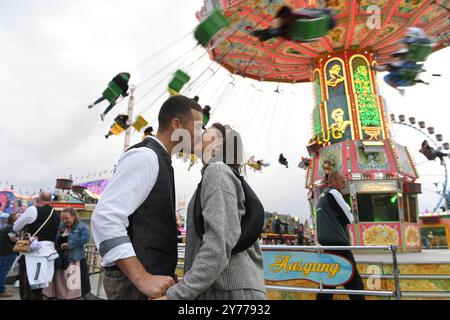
column 333, row 216
column 134, row 225
column 41, row 219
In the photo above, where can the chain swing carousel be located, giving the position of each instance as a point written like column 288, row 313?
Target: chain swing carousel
column 351, row 129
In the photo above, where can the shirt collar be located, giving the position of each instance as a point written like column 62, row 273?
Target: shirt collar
column 157, row 140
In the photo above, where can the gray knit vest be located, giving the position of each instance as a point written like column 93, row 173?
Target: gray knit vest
column 153, row 226
column 330, row 232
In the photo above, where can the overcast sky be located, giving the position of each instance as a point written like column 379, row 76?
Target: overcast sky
column 56, row 56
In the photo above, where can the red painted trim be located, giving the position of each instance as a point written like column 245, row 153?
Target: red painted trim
column 270, row 52
column 436, row 21
column 304, row 63
column 375, row 32
column 350, row 28
column 326, row 44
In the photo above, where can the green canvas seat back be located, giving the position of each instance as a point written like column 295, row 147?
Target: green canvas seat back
column 178, row 82
column 419, row 52
column 210, row 26
column 205, row 120
column 410, row 74
column 112, row 92
column 309, row 29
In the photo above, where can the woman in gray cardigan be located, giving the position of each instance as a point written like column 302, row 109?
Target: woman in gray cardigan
column 212, row 272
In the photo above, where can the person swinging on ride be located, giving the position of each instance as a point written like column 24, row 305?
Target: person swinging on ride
column 286, row 16
column 116, row 88
column 415, row 39
column 283, row 161
column 431, row 154
column 206, row 116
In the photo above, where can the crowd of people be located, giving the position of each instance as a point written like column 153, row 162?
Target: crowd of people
column 49, row 247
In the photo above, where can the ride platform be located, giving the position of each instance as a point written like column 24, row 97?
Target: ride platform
column 422, row 276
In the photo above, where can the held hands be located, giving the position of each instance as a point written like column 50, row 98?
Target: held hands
column 155, row 286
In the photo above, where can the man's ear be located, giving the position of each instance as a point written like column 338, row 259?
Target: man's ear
column 176, row 123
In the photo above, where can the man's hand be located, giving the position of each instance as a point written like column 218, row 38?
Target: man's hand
column 154, row 286
column 149, row 285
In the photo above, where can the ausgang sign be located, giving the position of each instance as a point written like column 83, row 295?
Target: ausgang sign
column 331, row 270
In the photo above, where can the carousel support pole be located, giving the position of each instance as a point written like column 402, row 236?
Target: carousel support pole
column 130, row 119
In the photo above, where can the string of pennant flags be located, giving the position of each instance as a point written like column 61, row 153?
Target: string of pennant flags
column 22, row 190
column 92, row 175
column 29, row 191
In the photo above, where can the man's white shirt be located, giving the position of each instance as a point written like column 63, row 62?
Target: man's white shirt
column 136, row 175
column 28, row 217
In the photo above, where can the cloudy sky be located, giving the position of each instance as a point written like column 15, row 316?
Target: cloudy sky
column 56, row 56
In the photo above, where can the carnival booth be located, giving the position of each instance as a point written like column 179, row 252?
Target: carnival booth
column 435, row 230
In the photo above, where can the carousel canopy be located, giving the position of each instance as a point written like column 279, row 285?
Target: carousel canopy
column 280, row 60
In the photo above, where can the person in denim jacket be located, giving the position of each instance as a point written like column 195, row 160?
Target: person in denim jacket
column 71, row 280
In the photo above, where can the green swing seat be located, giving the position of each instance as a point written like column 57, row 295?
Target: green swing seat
column 179, row 80
column 419, row 52
column 210, row 26
column 112, row 92
column 410, row 75
column 305, row 30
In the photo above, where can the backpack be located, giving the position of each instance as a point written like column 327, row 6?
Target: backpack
column 252, row 222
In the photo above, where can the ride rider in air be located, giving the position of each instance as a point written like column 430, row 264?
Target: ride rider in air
column 431, row 154
column 257, row 165
column 284, row 18
column 121, row 123
column 116, row 88
column 283, row 161
column 304, row 163
column 206, row 116
column 394, row 79
column 148, row 132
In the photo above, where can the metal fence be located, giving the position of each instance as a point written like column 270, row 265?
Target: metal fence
column 94, row 264
column 94, row 261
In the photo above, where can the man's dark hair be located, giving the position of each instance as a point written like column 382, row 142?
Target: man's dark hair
column 176, row 107
column 11, row 218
